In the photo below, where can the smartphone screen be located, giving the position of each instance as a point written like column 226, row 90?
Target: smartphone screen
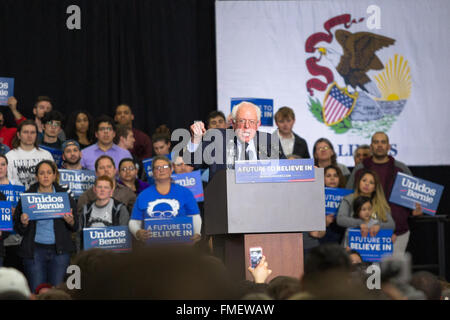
column 255, row 256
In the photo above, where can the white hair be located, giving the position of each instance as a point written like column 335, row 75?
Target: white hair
column 236, row 108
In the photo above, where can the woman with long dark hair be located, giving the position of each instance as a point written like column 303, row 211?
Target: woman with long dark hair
column 367, row 185
column 47, row 244
column 80, row 127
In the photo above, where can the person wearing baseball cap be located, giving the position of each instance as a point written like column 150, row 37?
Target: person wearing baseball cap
column 13, row 285
column 72, row 155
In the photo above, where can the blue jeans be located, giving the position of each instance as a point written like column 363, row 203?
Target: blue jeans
column 46, row 267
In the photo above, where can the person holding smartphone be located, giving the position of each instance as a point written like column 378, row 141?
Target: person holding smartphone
column 47, row 244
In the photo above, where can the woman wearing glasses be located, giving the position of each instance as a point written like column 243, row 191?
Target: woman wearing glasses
column 128, row 176
column 324, row 156
column 163, row 200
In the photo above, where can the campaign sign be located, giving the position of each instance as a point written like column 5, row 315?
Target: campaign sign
column 78, row 181
column 371, row 249
column 408, row 190
column 179, row 229
column 147, row 163
column 278, row 170
column 6, row 90
column 192, row 181
column 40, row 206
column 56, row 154
column 12, row 193
column 333, row 198
column 6, row 220
column 266, row 106
column 116, row 238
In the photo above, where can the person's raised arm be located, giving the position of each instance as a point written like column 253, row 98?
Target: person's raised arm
column 12, row 104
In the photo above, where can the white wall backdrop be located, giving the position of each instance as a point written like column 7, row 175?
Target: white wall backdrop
column 261, row 53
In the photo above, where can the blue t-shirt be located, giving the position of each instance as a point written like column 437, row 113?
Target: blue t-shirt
column 179, row 202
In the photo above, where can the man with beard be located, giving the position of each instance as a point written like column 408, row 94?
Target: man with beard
column 387, row 168
column 72, row 155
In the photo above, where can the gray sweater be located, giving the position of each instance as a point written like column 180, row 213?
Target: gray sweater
column 345, row 217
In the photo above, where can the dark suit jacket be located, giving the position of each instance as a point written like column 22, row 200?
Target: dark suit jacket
column 262, row 141
column 300, row 147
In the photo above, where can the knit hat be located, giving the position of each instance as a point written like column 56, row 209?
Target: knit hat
column 13, row 280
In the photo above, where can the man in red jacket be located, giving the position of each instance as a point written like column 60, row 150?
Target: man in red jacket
column 387, row 167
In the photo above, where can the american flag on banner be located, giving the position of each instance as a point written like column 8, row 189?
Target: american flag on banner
column 337, row 105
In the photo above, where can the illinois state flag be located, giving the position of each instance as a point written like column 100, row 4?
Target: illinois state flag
column 347, row 68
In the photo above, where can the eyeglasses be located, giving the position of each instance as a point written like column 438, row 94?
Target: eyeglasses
column 160, row 168
column 162, row 214
column 125, row 169
column 323, row 148
column 242, row 122
column 105, row 129
column 55, row 124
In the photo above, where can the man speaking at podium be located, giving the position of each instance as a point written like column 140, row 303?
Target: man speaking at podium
column 244, row 142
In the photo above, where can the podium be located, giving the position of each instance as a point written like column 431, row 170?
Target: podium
column 268, row 215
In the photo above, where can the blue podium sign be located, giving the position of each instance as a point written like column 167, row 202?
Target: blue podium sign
column 279, row 170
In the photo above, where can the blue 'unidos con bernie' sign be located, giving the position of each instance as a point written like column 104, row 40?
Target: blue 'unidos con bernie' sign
column 116, row 238
column 78, row 181
column 40, row 206
column 408, row 190
column 192, row 181
column 266, row 106
column 333, row 199
column 371, row 249
column 6, row 90
column 12, row 193
column 6, row 221
column 179, row 229
column 278, row 170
